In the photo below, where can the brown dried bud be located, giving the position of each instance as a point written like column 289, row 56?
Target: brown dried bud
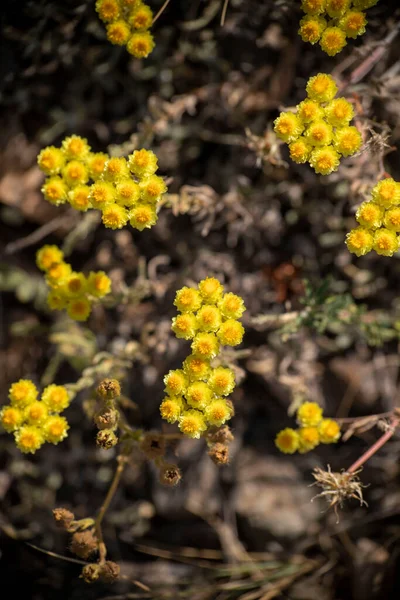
column 222, row 436
column 107, row 418
column 90, row 573
column 109, row 572
column 109, row 389
column 153, row 445
column 63, row 517
column 83, row 544
column 219, row 454
column 170, row 475
column 106, row 438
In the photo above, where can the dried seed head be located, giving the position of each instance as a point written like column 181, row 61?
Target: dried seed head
column 222, row 436
column 83, row 544
column 170, row 475
column 107, row 418
column 109, row 389
column 338, row 487
column 106, row 439
column 90, row 573
column 109, row 572
column 219, row 454
column 153, row 445
column 63, row 517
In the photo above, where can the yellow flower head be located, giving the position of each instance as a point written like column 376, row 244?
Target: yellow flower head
column 319, row 133
column 131, row 3
column 308, row 439
column 55, row 190
column 336, row 8
column 324, row 160
column 152, row 188
column 205, row 345
column 339, row 112
column 36, row 413
column 56, row 398
column 359, row 241
column 101, row 194
column 187, row 300
column 231, row 333
column 115, row 169
column 114, row 216
column 347, row 140
column 333, row 40
column 370, row 215
column 118, row 32
column 56, row 299
column 198, row 395
column 75, row 148
column 231, row 306
column 329, row 431
column 11, row 418
column 313, row 7
column 218, row 412
column 392, row 219
column 143, row 216
column 364, row 4
column 99, row 284
column 75, row 285
column 287, row 441
column 386, row 193
column 141, row 17
column 47, row 256
column 209, row 318
column 176, row 382
column 192, row 423
column 29, row 439
column 353, row 23
column 184, row 326
column 309, row 110
column 196, row 368
column 58, row 274
column 171, row 408
column 95, row 163
column 108, row 10
column 141, row 44
column 128, row 192
column 211, row 290
column 143, row 163
column 309, row 414
column 222, row 381
column 51, row 160
column 321, row 88
column 55, row 429
column 311, row 28
column 79, row 309
column 22, row 393
column 79, row 198
column 386, row 242
column 300, row 150
column 288, row 126
column 75, row 173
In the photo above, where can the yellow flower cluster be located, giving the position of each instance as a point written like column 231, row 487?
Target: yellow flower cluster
column 128, row 23
column 124, row 190
column 70, row 290
column 331, row 22
column 320, row 132
column 313, row 430
column 379, row 221
column 196, row 394
column 34, row 422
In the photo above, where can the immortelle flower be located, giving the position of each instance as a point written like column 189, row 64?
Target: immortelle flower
column 56, row 398
column 11, row 418
column 48, row 256
column 333, row 40
column 115, row 169
column 152, row 188
column 359, row 241
column 118, row 32
column 205, row 345
column 347, row 140
column 187, row 300
column 141, row 18
column 309, row 110
column 36, row 413
column 386, row 242
column 209, row 318
column 51, row 160
column 140, row 44
column 114, row 216
column 196, row 368
column 309, row 414
column 386, row 193
column 313, row 7
column 198, row 395
column 319, row 133
column 192, row 423
column 55, row 429
column 329, row 431
column 222, row 381
column 75, row 173
column 184, row 326
column 218, row 412
column 28, row 439
column 336, row 8
column 324, row 160
column 108, row 10
column 128, row 192
column 370, row 215
column 231, row 306
column 308, row 439
column 287, row 441
column 22, row 393
column 55, row 190
column 143, row 216
column 211, row 290
column 353, row 23
column 98, row 284
column 101, row 194
column 339, row 112
column 79, row 309
column 171, row 408
column 143, row 163
column 175, row 382
column 288, row 126
column 321, row 87
column 300, row 150
column 311, row 28
column 75, row 148
column 392, row 219
column 79, row 198
column 75, row 285
column 95, row 163
column 231, row 333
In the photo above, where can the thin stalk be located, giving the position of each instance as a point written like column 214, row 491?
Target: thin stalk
column 375, row 447
column 160, row 12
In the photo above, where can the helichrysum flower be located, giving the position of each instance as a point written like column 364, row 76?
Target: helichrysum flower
column 108, row 10
column 22, row 393
column 311, row 28
column 231, row 333
column 51, row 160
column 321, row 88
column 141, row 17
column 209, row 318
column 300, row 150
column 79, row 198
column 143, row 216
column 392, row 219
column 333, row 40
column 128, row 192
column 35, row 413
column 336, row 8
column 184, row 326
column 75, row 148
column 55, row 429
column 309, row 414
column 114, row 216
column 58, row 274
column 102, row 193
column 319, row 133
column 98, row 284
column 118, row 32
column 198, row 395
column 231, row 306
column 353, row 23
column 196, row 368
column 222, row 381
column 347, row 140
column 211, row 290
column 152, row 188
column 56, row 398
column 187, row 300
column 171, row 408
column 11, row 418
column 370, row 215
column 143, row 163
column 115, row 169
column 339, row 112
column 47, row 256
column 359, row 241
column 55, row 190
column 309, row 110
column 287, row 441
column 308, row 439
column 218, row 412
column 79, row 309
column 175, row 382
column 56, row 300
column 75, row 285
column 385, row 242
column 75, row 173
column 324, row 160
column 95, row 163
column 313, row 7
column 140, row 44
column 386, row 193
column 29, row 439
column 192, row 423
column 205, row 345
column 288, row 126
column 329, row 431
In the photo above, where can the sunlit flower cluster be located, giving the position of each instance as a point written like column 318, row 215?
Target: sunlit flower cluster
column 312, row 430
column 32, row 421
column 332, row 22
column 319, row 132
column 379, row 221
column 127, row 23
column 70, row 290
column 197, row 393
column 125, row 190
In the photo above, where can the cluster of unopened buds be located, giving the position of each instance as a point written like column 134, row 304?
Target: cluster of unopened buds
column 107, row 417
column 32, row 421
column 332, row 22
column 319, row 132
column 70, row 290
column 313, row 430
column 197, row 393
column 123, row 189
column 379, row 220
column 128, row 23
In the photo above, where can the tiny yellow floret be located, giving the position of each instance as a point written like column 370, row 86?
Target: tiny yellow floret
column 319, row 133
column 51, row 160
column 95, row 163
column 55, row 429
column 152, row 188
column 11, row 418
column 287, row 441
column 184, row 326
column 313, row 7
column 115, row 169
column 321, row 87
column 36, row 413
column 311, row 28
column 75, row 173
column 308, row 439
column 143, row 216
column 231, row 306
column 141, row 44
column 55, row 190
column 359, row 241
column 56, row 398
column 339, row 112
column 118, row 32
column 196, row 368
column 324, row 160
column 370, row 215
column 22, row 393
column 205, row 345
column 392, row 219
column 79, row 309
column 99, row 284
column 79, row 198
column 75, row 147
column 108, row 10
column 309, row 414
column 353, row 23
column 209, row 318
column 222, row 381
column 231, row 333
column 28, row 439
column 143, row 163
column 192, row 423
column 288, row 126
column 141, row 18
column 198, row 395
column 386, row 193
column 211, row 290
column 300, row 150
column 128, row 192
column 347, row 140
column 187, row 300
column 47, row 256
column 218, row 412
column 114, row 216
column 336, row 8
column 309, row 110
column 386, row 242
column 101, row 194
column 171, row 408
column 176, row 382
column 75, row 285
column 329, row 431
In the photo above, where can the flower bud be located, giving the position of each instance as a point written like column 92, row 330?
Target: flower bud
column 106, row 439
column 83, row 544
column 63, row 517
column 219, row 454
column 90, row 573
column 170, row 475
column 109, row 572
column 107, row 418
column 109, row 389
